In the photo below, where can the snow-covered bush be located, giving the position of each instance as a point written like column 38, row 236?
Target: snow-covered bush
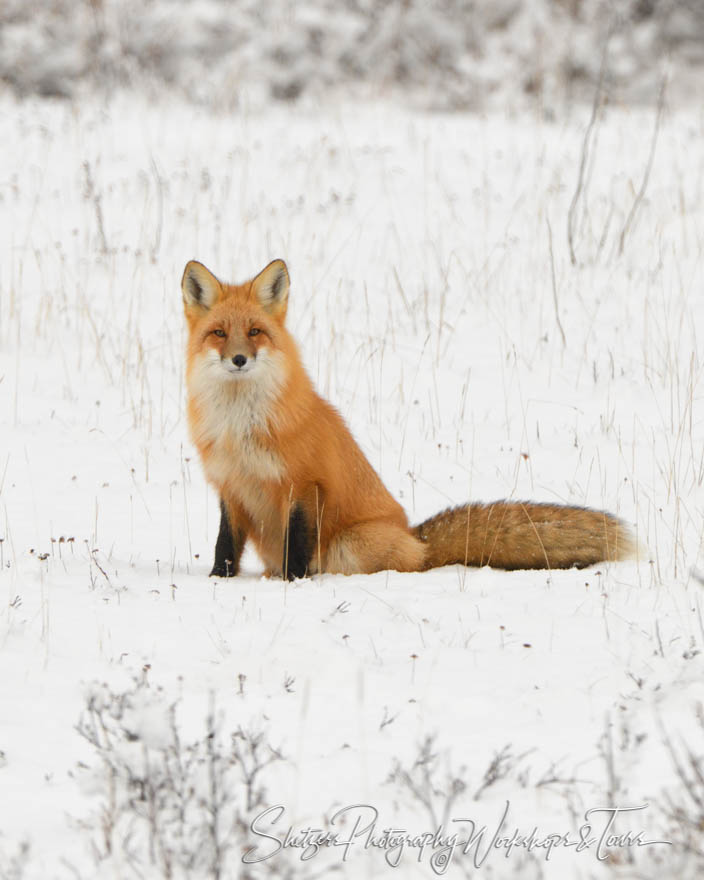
column 446, row 54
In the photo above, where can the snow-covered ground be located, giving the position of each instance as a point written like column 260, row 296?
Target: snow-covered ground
column 421, row 250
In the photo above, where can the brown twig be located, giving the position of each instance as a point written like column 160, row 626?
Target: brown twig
column 586, row 146
column 554, row 286
column 646, row 176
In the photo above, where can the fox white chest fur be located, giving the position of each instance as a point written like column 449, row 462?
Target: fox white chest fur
column 233, row 420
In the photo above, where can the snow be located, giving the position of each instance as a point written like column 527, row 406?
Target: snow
column 419, row 249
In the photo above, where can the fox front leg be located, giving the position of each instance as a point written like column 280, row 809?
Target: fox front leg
column 298, row 545
column 228, row 547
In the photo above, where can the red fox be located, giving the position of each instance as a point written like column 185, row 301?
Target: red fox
column 292, row 479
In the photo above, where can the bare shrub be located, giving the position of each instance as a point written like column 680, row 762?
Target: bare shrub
column 169, row 808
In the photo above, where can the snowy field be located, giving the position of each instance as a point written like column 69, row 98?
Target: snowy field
column 149, row 714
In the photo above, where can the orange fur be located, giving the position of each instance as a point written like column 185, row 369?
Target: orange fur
column 271, row 445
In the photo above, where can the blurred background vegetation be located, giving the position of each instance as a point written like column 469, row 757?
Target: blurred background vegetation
column 436, row 54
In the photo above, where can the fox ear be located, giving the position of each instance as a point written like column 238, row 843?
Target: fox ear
column 271, row 288
column 200, row 287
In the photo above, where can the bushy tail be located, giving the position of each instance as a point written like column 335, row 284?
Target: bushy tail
column 514, row 534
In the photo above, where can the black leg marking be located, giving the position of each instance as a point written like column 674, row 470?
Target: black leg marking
column 298, row 545
column 228, row 548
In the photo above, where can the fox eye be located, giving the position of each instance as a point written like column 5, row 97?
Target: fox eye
column 220, row 333
column 255, row 331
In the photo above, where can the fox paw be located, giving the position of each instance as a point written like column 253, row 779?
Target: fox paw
column 223, row 569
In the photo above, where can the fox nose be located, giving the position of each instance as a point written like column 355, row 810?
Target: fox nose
column 239, row 360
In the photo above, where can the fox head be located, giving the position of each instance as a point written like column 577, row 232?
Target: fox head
column 236, row 332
